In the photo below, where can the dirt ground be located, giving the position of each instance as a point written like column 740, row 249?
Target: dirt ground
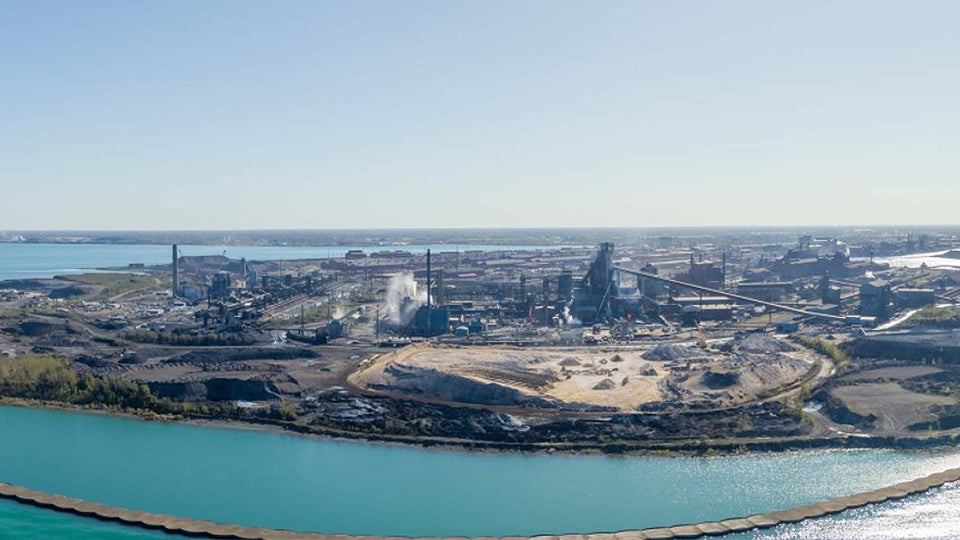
column 886, row 394
column 894, row 406
column 594, row 377
column 581, row 378
column 893, row 372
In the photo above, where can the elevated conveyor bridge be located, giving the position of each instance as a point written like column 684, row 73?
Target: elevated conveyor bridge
column 733, row 296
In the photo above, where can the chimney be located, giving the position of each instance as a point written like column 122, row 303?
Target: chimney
column 176, row 273
column 429, row 280
column 723, row 272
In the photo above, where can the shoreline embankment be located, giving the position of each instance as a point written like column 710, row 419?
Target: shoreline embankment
column 660, row 448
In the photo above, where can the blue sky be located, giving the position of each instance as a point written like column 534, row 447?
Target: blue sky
column 224, row 115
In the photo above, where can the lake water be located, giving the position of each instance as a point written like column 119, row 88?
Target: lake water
column 279, row 481
column 20, row 521
column 931, row 516
column 916, row 260
column 20, row 261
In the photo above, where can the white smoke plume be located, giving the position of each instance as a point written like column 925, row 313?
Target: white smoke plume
column 400, row 288
column 568, row 317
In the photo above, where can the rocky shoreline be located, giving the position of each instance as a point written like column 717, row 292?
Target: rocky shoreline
column 690, row 447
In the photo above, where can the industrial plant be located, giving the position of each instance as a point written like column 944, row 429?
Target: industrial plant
column 740, row 336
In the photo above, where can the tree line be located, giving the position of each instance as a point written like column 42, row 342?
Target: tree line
column 48, row 378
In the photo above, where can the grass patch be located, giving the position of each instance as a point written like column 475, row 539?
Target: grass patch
column 825, row 348
column 935, row 317
column 51, row 379
column 116, row 285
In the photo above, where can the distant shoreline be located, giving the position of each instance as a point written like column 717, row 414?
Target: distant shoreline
column 218, row 243
column 552, row 236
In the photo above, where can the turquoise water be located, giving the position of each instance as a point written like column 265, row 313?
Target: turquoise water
column 20, row 521
column 20, row 261
column 273, row 480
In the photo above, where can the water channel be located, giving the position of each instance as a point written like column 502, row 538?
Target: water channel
column 280, row 481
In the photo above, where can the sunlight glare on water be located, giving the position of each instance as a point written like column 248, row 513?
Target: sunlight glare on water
column 930, row 516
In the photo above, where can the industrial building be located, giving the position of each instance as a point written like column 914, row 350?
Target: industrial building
column 876, row 299
column 595, row 295
column 704, row 273
column 914, row 298
column 771, row 291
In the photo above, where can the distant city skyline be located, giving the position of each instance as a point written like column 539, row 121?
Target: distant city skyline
column 245, row 115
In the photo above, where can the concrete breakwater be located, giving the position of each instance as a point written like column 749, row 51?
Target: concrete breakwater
column 209, row 529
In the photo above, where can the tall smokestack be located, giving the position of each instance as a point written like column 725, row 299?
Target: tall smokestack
column 723, row 272
column 429, row 280
column 176, row 273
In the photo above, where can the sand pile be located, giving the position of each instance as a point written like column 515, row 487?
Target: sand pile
column 605, row 384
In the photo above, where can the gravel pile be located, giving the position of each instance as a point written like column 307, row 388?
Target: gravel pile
column 674, row 352
column 761, row 343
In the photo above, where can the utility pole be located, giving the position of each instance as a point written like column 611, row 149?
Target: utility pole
column 301, row 319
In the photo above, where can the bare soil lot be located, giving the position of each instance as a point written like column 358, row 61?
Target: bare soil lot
column 582, row 378
column 892, row 405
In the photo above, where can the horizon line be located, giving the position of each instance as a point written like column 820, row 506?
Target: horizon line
column 485, row 228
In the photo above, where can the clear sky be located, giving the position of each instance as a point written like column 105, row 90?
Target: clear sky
column 137, row 114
